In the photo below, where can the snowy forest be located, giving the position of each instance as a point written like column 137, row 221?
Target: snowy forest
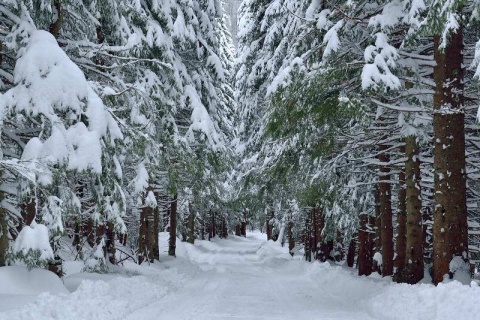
column 337, row 134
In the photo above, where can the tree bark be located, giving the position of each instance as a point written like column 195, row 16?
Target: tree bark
column 450, row 229
column 385, row 203
column 224, row 227
column 57, row 18
column 269, row 225
column 213, row 228
column 29, row 211
column 316, row 234
column 401, row 229
column 351, row 253
column 364, row 247
column 190, row 224
column 172, row 241
column 307, row 240
column 110, row 243
column 243, row 229
column 375, row 236
column 414, row 245
column 291, row 239
column 77, row 236
column 3, row 234
column 156, row 229
column 146, row 238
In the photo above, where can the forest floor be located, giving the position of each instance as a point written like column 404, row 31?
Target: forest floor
column 236, row 278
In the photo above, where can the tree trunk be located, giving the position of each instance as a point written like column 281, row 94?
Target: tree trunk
column 269, row 224
column 213, row 228
column 364, row 247
column 57, row 18
column 29, row 211
column 375, row 237
column 3, row 234
column 156, row 230
column 450, row 237
column 110, row 243
column 427, row 234
column 243, row 228
column 414, row 245
column 224, row 227
column 77, row 237
column 291, row 239
column 307, row 241
column 316, row 236
column 385, row 202
column 202, row 227
column 351, row 253
column 172, row 241
column 190, row 224
column 146, row 237
column 400, row 244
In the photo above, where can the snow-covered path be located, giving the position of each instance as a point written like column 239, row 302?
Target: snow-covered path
column 247, row 279
column 242, row 278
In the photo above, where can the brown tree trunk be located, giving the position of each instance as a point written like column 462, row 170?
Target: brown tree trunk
column 238, row 230
column 202, row 227
column 316, row 234
column 321, row 249
column 57, row 18
column 190, row 224
column 375, row 237
column 400, row 244
column 172, row 241
column 307, row 240
column 339, row 247
column 364, row 247
column 450, row 237
column 3, row 234
column 414, row 246
column 156, row 229
column 385, row 202
column 29, row 211
column 146, row 238
column 213, row 227
column 427, row 234
column 110, row 243
column 351, row 253
column 269, row 224
column 224, row 227
column 291, row 239
column 243, row 228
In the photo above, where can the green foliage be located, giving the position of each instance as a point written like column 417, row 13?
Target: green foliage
column 31, row 259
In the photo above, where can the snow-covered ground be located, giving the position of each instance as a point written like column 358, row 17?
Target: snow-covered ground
column 236, row 278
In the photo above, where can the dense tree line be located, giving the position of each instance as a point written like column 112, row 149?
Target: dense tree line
column 362, row 114
column 117, row 118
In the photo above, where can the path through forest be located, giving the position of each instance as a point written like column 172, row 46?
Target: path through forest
column 248, row 279
column 241, row 278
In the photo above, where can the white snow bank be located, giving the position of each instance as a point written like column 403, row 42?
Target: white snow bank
column 248, row 279
column 18, row 280
column 93, row 300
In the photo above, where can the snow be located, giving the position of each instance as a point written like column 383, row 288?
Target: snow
column 17, row 280
column 34, row 238
column 49, row 84
column 20, row 286
column 240, row 278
